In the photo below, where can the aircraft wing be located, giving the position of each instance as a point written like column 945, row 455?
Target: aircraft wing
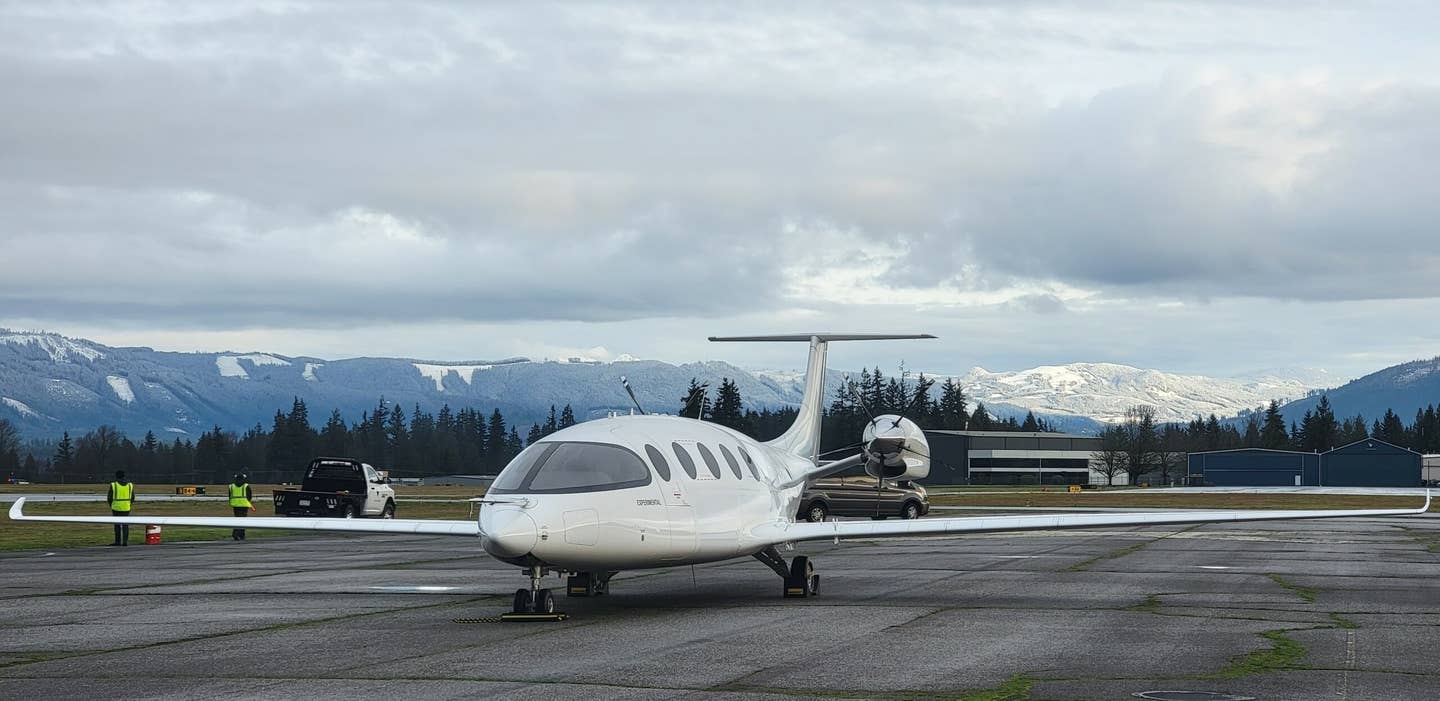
column 794, row 532
column 348, row 525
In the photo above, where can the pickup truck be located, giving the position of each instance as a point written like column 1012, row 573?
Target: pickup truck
column 338, row 487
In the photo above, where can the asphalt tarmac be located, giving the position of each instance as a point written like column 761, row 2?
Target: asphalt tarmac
column 1304, row 610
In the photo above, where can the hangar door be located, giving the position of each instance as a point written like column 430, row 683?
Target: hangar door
column 1253, row 467
column 1371, row 463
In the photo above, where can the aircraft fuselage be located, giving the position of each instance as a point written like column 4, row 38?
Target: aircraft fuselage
column 715, row 485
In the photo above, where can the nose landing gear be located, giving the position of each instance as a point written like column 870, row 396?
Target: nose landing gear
column 535, row 603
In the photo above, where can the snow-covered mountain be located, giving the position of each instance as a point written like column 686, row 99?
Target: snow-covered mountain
column 1103, row 391
column 50, row 383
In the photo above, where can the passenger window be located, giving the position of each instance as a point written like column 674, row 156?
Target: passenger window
column 709, row 460
column 749, row 463
column 661, row 466
column 686, row 462
column 734, row 466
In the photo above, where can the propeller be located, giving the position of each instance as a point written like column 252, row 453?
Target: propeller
column 864, row 446
column 888, row 440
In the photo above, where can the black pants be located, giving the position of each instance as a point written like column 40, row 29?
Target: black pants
column 122, row 530
column 239, row 533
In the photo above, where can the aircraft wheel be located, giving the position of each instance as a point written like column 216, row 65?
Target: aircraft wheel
column 544, row 602
column 802, row 577
column 522, row 601
column 814, row 585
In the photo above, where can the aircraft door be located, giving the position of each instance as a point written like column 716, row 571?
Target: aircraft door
column 678, row 510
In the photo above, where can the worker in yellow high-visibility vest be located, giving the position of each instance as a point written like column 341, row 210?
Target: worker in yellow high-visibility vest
column 121, row 497
column 240, row 502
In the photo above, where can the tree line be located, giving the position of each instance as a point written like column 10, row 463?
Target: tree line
column 470, row 441
column 1138, row 446
column 413, row 444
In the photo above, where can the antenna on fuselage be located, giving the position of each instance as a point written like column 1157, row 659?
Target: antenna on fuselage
column 626, row 384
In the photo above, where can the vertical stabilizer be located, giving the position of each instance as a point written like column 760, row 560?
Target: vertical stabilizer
column 803, row 436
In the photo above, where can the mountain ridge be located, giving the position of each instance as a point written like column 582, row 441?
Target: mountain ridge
column 50, row 383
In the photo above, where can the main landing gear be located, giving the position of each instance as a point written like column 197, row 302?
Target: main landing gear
column 535, row 603
column 800, row 578
column 588, row 583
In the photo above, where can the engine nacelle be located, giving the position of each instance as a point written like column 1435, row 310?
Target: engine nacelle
column 895, row 449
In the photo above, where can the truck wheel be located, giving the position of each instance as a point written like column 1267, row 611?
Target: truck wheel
column 348, row 512
column 389, row 511
column 816, row 512
column 912, row 510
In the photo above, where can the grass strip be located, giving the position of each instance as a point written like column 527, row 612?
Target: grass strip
column 1284, row 653
column 1306, row 594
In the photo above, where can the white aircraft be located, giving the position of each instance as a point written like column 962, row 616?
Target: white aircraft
column 648, row 491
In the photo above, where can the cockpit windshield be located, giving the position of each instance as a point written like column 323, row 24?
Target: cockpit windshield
column 558, row 467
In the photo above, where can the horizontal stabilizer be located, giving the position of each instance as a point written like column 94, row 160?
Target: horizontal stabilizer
column 826, row 337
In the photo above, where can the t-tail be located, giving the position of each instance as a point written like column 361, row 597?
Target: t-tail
column 803, row 436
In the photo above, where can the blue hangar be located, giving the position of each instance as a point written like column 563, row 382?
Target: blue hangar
column 1366, row 463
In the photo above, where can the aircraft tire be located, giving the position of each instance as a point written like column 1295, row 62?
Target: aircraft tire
column 544, row 602
column 522, row 601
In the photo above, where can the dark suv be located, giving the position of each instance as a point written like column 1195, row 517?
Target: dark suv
column 857, row 496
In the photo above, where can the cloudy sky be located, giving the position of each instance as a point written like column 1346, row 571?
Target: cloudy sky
column 1199, row 187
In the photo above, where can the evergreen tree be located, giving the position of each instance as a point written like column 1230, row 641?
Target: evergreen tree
column 696, row 402
column 1252, row 437
column 550, row 424
column 980, row 420
column 1391, row 429
column 1352, row 430
column 920, row 405
column 1030, row 425
column 728, row 409
column 567, row 417
column 953, row 407
column 872, row 390
column 1272, row 432
column 1324, row 428
column 64, row 461
column 513, row 446
column 335, row 437
column 536, row 432
column 495, row 440
column 397, row 439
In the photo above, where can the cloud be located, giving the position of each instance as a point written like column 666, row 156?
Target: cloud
column 331, row 166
